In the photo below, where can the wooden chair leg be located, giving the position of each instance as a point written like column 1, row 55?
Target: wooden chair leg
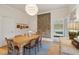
column 35, row 51
column 18, row 53
column 40, row 44
column 29, row 51
column 38, row 47
column 24, row 51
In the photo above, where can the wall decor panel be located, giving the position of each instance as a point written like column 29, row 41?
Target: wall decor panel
column 44, row 24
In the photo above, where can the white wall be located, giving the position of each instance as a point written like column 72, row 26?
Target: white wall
column 32, row 22
column 6, row 10
column 9, row 16
column 0, row 26
column 1, row 39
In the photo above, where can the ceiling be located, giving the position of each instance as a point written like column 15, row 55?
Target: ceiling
column 42, row 7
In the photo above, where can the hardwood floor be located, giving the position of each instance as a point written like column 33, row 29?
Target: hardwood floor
column 53, row 48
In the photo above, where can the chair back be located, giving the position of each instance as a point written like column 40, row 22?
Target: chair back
column 40, row 37
column 18, row 36
column 32, row 42
column 10, row 44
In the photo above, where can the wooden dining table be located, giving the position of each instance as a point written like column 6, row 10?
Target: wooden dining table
column 23, row 40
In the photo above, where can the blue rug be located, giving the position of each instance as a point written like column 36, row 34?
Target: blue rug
column 42, row 50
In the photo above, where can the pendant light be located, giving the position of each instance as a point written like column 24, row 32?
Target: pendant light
column 31, row 9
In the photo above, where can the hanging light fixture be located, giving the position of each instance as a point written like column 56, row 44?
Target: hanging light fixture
column 31, row 9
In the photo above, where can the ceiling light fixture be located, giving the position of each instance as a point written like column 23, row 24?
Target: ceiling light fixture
column 31, row 9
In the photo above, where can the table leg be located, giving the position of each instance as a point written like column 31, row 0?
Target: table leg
column 21, row 50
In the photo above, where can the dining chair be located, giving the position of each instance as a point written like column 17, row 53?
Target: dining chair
column 12, row 49
column 39, row 40
column 30, row 46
